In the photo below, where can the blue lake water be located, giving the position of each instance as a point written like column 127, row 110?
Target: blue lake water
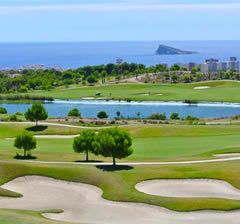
column 72, row 55
column 89, row 109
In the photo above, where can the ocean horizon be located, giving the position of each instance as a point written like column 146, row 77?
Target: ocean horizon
column 77, row 54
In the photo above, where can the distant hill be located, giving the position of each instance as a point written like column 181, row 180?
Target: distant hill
column 166, row 50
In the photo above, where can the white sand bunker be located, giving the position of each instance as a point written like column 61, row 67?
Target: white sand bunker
column 190, row 188
column 55, row 136
column 227, row 154
column 201, row 87
column 83, row 203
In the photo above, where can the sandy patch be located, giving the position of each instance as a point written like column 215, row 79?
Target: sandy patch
column 201, row 87
column 51, row 137
column 227, row 154
column 88, row 98
column 191, row 188
column 83, row 203
column 56, row 136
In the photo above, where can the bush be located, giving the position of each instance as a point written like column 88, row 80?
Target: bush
column 191, row 101
column 174, row 116
column 158, row 116
column 19, row 113
column 102, row 115
column 190, row 118
column 13, row 118
column 74, row 113
column 3, row 110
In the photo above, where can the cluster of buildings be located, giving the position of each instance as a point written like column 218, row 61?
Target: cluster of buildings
column 214, row 65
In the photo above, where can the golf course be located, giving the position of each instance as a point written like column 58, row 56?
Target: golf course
column 176, row 171
column 211, row 91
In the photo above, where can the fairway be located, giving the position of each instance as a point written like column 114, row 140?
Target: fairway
column 150, row 142
column 220, row 91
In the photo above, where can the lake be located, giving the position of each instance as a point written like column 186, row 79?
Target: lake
column 90, row 108
column 72, row 55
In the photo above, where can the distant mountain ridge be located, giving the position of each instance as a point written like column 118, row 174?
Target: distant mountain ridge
column 166, row 50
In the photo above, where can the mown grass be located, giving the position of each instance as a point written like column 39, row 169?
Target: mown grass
column 150, row 142
column 227, row 91
column 9, row 130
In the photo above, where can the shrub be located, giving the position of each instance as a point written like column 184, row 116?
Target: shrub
column 190, row 118
column 19, row 113
column 102, row 115
column 158, row 116
column 74, row 113
column 3, row 110
column 174, row 116
column 191, row 101
column 13, row 118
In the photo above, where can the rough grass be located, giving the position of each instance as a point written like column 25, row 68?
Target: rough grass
column 227, row 91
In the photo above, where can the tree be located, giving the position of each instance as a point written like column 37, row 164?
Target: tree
column 84, row 143
column 174, row 116
column 26, row 142
column 103, row 75
column 102, row 115
column 113, row 143
column 74, row 113
column 36, row 113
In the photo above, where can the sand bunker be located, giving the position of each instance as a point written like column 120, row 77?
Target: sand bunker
column 83, row 203
column 88, row 98
column 201, row 87
column 56, row 136
column 227, row 154
column 205, row 188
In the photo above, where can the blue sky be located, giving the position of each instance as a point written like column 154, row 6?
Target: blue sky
column 108, row 20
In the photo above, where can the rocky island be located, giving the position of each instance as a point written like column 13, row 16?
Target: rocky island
column 166, row 50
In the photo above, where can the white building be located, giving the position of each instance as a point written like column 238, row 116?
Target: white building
column 210, row 66
column 204, row 68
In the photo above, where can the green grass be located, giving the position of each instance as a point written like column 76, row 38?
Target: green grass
column 12, row 130
column 220, row 91
column 150, row 142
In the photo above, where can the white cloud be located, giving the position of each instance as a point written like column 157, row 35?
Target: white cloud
column 108, row 7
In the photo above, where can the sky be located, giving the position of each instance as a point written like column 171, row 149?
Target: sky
column 122, row 20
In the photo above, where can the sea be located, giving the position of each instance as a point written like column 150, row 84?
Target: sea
column 78, row 54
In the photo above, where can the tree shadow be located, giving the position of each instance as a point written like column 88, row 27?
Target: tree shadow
column 111, row 168
column 37, row 128
column 20, row 157
column 89, row 161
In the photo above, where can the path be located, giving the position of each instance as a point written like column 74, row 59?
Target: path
column 139, row 163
